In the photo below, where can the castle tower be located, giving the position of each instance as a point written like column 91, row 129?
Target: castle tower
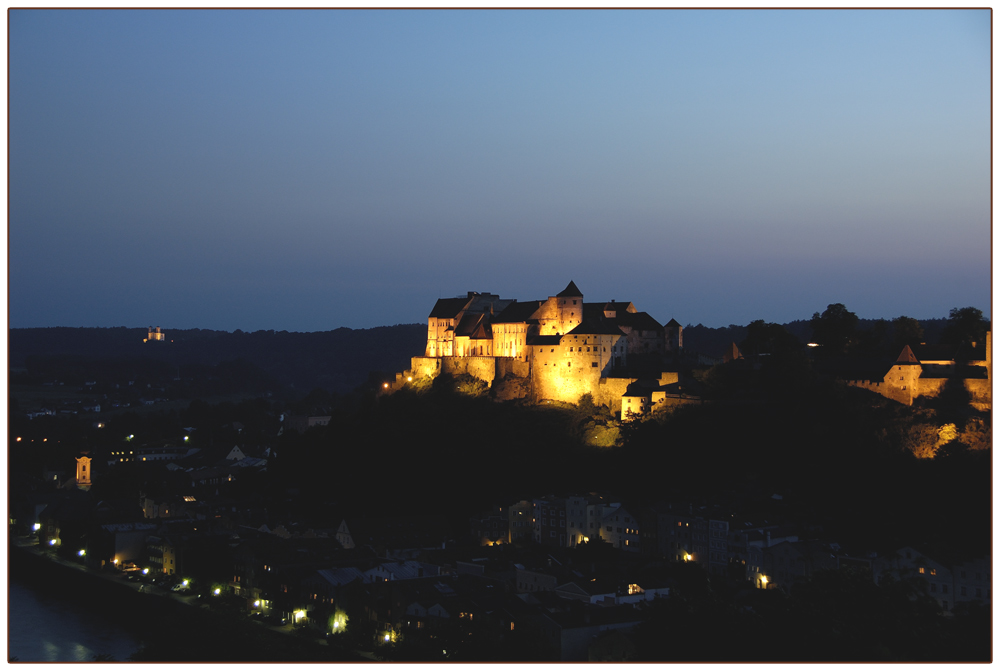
column 569, row 305
column 83, row 472
column 903, row 379
column 674, row 334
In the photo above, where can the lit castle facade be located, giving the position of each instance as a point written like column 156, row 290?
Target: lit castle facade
column 555, row 349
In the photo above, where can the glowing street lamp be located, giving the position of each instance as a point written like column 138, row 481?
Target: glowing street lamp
column 217, row 591
column 36, row 526
column 82, row 553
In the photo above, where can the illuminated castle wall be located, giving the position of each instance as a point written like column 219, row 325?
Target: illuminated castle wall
column 910, row 378
column 561, row 347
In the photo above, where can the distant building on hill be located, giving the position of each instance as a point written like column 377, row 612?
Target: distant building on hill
column 155, row 334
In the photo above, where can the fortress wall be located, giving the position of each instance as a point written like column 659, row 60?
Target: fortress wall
column 480, row 367
column 609, row 390
column 930, row 387
column 889, row 391
column 980, row 390
column 425, row 366
column 667, row 377
column 506, row 366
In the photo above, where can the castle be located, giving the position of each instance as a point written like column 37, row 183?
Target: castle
column 556, row 349
column 925, row 371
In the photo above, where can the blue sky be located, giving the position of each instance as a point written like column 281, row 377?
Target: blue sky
column 306, row 170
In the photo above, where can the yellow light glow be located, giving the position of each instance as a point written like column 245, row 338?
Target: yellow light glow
column 687, row 557
column 37, row 526
column 763, row 580
column 217, row 591
column 299, row 614
column 409, row 378
column 386, row 637
column 384, row 384
column 19, row 439
column 82, row 553
column 256, row 604
column 115, row 560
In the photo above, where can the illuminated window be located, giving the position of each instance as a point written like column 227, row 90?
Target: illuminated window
column 933, row 571
column 921, row 570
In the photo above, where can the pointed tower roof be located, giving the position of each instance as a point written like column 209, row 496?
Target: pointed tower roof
column 906, row 357
column 570, row 290
column 673, row 323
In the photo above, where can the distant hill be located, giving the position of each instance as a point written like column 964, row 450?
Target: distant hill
column 338, row 360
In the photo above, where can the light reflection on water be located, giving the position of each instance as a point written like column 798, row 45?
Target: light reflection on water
column 43, row 628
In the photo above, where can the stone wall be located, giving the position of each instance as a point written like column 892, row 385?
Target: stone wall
column 514, row 367
column 609, row 392
column 480, row 367
column 425, row 366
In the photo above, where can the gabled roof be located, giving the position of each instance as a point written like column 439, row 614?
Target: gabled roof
column 906, row 357
column 570, row 290
column 596, row 327
column 516, row 313
column 467, row 326
column 448, row 308
column 340, row 576
column 640, row 321
column 483, row 331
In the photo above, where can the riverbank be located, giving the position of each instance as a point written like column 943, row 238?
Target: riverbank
column 170, row 629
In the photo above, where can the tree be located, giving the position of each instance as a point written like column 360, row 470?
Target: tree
column 965, row 326
column 765, row 338
column 835, row 329
column 906, row 331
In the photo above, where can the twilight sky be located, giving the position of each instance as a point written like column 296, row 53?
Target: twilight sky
column 306, row 170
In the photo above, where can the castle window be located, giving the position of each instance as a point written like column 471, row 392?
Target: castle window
column 593, row 364
column 568, row 364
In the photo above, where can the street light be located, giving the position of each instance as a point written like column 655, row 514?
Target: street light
column 82, row 553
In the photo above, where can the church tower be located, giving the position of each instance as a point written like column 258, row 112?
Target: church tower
column 83, row 472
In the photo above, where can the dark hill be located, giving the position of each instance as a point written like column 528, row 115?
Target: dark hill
column 338, row 360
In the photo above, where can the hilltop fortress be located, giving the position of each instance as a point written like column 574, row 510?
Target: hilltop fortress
column 556, row 349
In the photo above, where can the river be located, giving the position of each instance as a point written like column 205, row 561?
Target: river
column 48, row 628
